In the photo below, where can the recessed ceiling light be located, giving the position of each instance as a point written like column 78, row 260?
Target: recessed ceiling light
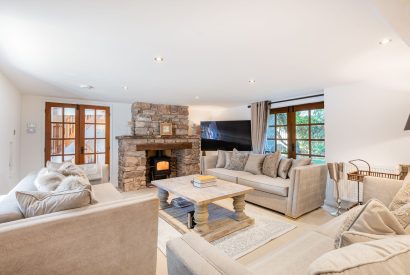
column 251, row 81
column 86, row 86
column 159, row 59
column 385, row 41
column 196, row 97
column 125, row 88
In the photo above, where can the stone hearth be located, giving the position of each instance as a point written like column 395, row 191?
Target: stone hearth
column 133, row 148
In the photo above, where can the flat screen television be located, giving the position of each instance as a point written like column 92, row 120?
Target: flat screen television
column 226, row 135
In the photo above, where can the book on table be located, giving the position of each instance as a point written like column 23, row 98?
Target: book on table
column 204, row 179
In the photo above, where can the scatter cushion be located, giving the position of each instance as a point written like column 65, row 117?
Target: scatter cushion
column 254, row 164
column 271, row 165
column 220, row 163
column 403, row 215
column 372, row 218
column 385, row 256
column 402, row 197
column 238, row 160
column 228, row 157
column 35, row 203
column 352, row 237
column 298, row 163
column 284, row 166
column 48, row 180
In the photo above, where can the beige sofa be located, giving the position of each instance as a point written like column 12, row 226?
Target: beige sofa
column 191, row 254
column 114, row 236
column 303, row 192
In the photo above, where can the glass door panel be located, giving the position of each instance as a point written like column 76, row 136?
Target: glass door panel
column 77, row 133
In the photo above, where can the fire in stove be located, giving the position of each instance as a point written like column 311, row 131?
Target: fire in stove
column 162, row 165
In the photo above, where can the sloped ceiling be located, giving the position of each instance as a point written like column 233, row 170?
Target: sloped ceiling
column 211, row 48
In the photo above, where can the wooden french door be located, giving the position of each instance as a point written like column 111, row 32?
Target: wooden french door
column 298, row 131
column 77, row 133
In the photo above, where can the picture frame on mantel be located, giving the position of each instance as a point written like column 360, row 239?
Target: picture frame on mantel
column 165, row 129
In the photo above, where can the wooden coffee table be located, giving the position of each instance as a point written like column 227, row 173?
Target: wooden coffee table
column 202, row 198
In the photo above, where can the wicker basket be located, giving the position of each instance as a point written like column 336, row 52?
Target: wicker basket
column 359, row 175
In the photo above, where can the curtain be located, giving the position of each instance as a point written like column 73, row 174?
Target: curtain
column 259, row 123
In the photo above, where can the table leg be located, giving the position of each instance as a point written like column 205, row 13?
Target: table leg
column 163, row 198
column 239, row 206
column 201, row 219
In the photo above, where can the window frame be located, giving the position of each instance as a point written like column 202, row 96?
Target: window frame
column 79, row 131
column 291, row 128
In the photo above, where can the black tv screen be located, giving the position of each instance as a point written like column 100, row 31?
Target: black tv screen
column 226, row 135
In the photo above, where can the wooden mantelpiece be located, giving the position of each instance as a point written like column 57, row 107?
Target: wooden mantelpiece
column 164, row 146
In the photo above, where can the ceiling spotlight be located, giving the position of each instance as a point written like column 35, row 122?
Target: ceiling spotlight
column 159, row 59
column 125, row 88
column 385, row 41
column 251, row 81
column 196, row 97
column 86, row 86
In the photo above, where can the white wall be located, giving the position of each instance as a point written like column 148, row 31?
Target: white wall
column 204, row 113
column 366, row 120
column 10, row 108
column 32, row 145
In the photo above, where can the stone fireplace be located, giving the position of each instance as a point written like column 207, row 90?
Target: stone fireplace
column 136, row 151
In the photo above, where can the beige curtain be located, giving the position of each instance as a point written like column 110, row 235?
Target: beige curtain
column 259, row 121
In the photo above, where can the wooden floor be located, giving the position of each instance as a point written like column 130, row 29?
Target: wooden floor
column 304, row 224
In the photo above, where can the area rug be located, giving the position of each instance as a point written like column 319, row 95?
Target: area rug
column 238, row 243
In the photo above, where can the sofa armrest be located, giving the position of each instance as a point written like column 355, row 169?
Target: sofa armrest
column 208, row 162
column 191, row 255
column 307, row 189
column 379, row 188
column 117, row 237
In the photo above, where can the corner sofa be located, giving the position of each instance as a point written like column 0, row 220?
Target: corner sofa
column 114, row 236
column 190, row 254
column 303, row 192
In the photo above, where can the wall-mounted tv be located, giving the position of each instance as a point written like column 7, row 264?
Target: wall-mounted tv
column 226, row 135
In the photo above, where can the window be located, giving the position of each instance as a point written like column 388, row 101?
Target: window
column 298, row 132
column 77, row 133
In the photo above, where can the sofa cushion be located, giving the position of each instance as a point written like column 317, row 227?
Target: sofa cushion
column 284, row 166
column 221, row 160
column 372, row 218
column 254, row 164
column 238, row 160
column 277, row 186
column 226, row 174
column 386, row 256
column 271, row 164
column 228, row 156
column 402, row 197
column 352, row 237
column 35, row 203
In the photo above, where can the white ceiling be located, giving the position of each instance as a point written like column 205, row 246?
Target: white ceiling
column 211, row 48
